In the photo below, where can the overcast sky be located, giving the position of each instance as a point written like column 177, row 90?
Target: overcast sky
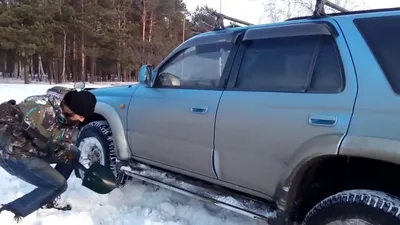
column 252, row 10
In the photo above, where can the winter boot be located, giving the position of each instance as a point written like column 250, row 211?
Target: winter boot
column 17, row 216
column 57, row 204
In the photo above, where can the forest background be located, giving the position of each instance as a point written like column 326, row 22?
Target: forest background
column 60, row 41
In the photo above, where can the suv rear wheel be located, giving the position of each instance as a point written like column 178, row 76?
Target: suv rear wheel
column 356, row 207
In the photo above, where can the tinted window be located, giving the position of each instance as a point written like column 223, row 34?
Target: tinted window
column 382, row 35
column 196, row 67
column 292, row 64
column 327, row 74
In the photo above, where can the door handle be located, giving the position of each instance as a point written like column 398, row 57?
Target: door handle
column 199, row 110
column 322, row 120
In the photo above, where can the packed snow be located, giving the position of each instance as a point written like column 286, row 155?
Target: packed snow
column 135, row 204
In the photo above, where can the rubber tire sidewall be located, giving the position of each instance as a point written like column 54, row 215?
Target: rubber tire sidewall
column 97, row 130
column 340, row 207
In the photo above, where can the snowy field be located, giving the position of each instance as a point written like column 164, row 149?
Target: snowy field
column 135, row 204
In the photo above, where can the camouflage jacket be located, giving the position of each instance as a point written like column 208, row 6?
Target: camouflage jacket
column 43, row 114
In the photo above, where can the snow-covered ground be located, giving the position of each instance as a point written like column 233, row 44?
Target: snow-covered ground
column 135, row 204
column 14, row 80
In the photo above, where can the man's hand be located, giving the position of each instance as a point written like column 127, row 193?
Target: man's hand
column 66, row 154
column 10, row 115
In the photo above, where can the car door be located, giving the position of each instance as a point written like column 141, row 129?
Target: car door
column 287, row 90
column 172, row 123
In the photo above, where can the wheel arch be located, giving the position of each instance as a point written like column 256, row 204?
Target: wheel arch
column 104, row 111
column 308, row 155
column 344, row 173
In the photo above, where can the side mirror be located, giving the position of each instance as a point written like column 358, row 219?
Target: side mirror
column 79, row 85
column 145, row 73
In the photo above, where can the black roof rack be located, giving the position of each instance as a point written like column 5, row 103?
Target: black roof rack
column 319, row 10
column 219, row 23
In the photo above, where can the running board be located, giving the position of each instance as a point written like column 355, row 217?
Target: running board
column 230, row 200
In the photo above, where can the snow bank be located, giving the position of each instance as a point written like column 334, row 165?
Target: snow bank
column 135, row 204
column 21, row 81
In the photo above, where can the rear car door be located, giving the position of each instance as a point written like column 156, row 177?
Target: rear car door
column 172, row 123
column 289, row 89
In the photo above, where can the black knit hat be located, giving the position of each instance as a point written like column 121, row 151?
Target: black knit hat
column 81, row 103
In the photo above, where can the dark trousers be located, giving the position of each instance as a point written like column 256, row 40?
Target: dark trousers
column 50, row 182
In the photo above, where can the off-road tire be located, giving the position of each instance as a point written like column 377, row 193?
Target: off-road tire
column 374, row 207
column 102, row 132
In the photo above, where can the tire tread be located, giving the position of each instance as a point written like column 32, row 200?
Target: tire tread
column 105, row 129
column 374, row 199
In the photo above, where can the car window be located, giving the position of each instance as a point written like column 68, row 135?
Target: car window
column 291, row 64
column 382, row 35
column 196, row 67
column 327, row 75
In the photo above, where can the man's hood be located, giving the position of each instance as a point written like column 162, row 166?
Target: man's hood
column 56, row 94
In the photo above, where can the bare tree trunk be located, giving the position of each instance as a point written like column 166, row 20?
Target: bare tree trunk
column 144, row 23
column 151, row 24
column 93, row 70
column 68, row 57
column 119, row 70
column 125, row 75
column 40, row 68
column 31, row 69
column 5, row 62
column 51, row 70
column 144, row 19
column 119, row 54
column 64, row 55
column 183, row 29
column 75, row 60
column 150, row 50
column 25, row 66
column 57, row 69
column 83, row 71
column 18, row 65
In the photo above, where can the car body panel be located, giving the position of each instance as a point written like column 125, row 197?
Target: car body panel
column 253, row 129
column 259, row 143
column 109, row 100
column 375, row 129
column 162, row 127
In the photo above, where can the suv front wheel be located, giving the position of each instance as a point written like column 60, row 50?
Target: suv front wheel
column 361, row 207
column 97, row 146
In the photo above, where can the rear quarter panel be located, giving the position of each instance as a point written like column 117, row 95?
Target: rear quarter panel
column 312, row 150
column 375, row 127
column 263, row 139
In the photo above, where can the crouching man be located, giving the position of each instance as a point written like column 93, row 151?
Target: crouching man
column 35, row 133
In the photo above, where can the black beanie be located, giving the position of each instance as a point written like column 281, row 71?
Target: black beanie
column 81, row 103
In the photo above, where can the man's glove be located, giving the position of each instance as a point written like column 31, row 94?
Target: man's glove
column 10, row 115
column 66, row 154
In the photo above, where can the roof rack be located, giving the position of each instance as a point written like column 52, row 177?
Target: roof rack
column 349, row 13
column 219, row 23
column 319, row 10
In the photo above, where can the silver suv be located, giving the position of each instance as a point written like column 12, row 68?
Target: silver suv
column 299, row 117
